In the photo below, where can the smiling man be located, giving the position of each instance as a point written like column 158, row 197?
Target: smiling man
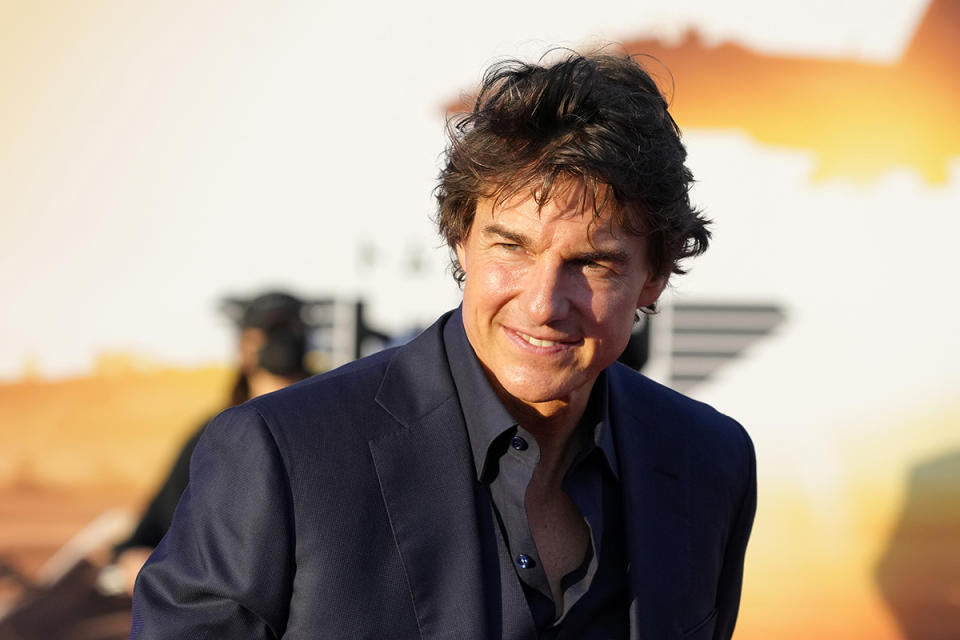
column 551, row 298
column 501, row 476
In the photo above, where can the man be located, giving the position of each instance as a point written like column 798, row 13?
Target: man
column 500, row 476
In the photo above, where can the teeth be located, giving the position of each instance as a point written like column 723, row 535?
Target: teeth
column 535, row 341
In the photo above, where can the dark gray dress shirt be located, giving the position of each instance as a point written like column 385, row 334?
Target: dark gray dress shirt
column 595, row 595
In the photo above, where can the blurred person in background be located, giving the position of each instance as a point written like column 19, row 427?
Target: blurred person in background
column 272, row 349
column 92, row 600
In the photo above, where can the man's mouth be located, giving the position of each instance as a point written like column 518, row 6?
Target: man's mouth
column 537, row 342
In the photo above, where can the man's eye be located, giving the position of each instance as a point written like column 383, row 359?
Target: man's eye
column 508, row 246
column 590, row 265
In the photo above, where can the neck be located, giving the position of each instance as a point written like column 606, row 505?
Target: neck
column 262, row 381
column 553, row 424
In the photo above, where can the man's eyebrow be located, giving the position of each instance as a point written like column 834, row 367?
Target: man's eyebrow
column 503, row 232
column 598, row 255
column 617, row 256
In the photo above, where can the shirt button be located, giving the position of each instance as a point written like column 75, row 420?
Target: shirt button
column 518, row 443
column 525, row 562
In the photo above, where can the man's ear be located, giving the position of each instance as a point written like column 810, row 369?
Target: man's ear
column 462, row 257
column 651, row 291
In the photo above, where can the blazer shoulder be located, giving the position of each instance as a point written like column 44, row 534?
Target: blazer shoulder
column 353, row 378
column 352, row 385
column 345, row 407
column 651, row 395
column 702, row 427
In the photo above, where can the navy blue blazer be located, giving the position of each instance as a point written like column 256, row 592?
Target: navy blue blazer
column 347, row 506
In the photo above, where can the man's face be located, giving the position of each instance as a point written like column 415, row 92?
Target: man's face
column 550, row 294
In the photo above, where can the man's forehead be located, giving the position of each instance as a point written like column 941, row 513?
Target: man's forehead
column 527, row 208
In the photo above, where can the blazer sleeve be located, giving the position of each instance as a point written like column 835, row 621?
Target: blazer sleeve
column 225, row 568
column 731, row 575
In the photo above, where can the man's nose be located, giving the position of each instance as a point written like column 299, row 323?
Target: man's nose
column 545, row 292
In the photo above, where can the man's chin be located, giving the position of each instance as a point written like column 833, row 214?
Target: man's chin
column 538, row 393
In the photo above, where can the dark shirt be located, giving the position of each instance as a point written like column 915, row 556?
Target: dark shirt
column 595, row 595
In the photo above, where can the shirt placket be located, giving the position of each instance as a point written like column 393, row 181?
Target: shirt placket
column 516, row 470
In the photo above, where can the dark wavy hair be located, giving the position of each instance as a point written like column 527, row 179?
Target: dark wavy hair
column 598, row 118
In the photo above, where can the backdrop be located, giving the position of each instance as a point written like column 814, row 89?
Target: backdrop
column 155, row 157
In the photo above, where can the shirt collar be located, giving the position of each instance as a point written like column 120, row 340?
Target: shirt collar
column 486, row 417
column 603, row 430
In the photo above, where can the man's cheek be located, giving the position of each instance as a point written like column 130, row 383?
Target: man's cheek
column 498, row 281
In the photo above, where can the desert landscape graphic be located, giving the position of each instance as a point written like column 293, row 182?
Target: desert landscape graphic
column 860, row 119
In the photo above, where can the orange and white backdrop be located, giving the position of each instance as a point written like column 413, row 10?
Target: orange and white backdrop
column 157, row 156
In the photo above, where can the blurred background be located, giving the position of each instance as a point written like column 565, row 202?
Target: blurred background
column 157, row 158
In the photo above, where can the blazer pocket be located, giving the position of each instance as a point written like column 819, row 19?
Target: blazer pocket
column 703, row 630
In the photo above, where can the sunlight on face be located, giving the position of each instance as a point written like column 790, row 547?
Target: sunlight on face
column 550, row 294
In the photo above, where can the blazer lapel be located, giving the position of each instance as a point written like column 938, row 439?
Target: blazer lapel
column 653, row 460
column 427, row 480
